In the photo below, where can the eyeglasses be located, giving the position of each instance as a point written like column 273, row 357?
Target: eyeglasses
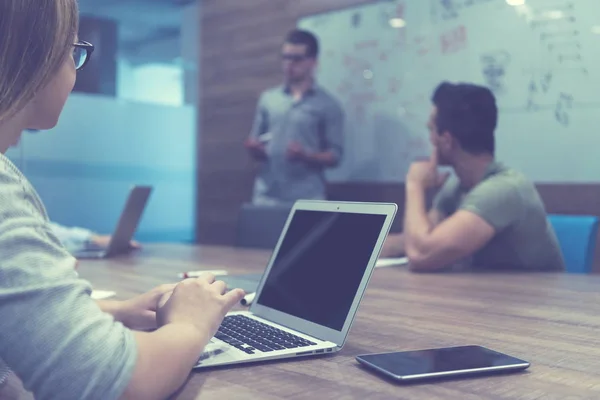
column 293, row 57
column 82, row 51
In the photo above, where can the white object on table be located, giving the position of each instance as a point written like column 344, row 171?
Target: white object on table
column 213, row 349
column 102, row 294
column 196, row 274
column 248, row 299
column 265, row 137
column 391, row 262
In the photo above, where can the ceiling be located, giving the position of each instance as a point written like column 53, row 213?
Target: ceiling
column 142, row 23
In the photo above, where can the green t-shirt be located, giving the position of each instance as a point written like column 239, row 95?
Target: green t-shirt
column 524, row 237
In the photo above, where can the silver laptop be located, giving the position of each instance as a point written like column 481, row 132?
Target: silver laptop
column 312, row 286
column 126, row 227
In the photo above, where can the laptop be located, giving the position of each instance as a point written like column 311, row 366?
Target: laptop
column 310, row 291
column 126, row 227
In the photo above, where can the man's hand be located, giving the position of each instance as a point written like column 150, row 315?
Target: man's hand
column 201, row 302
column 425, row 173
column 393, row 246
column 139, row 313
column 256, row 148
column 104, row 240
column 296, row 152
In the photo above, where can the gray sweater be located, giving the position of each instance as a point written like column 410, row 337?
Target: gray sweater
column 52, row 334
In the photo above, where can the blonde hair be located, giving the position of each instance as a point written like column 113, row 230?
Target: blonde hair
column 35, row 38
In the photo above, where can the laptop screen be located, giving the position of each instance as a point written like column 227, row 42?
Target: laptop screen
column 320, row 264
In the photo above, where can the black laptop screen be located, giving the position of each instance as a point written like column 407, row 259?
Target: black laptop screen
column 320, row 265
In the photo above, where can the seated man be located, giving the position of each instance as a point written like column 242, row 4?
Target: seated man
column 487, row 214
column 78, row 239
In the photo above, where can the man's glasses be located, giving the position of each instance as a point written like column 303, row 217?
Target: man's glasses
column 293, row 57
column 82, row 51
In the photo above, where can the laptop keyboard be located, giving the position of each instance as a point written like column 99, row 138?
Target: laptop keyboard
column 250, row 336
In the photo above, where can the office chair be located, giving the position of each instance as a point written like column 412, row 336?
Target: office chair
column 260, row 226
column 577, row 238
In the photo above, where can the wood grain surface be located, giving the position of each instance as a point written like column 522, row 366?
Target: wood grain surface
column 550, row 320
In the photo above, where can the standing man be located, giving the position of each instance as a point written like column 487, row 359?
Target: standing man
column 297, row 131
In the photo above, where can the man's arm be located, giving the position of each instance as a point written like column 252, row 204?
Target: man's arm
column 255, row 147
column 334, row 138
column 487, row 211
column 324, row 158
column 73, row 238
column 333, row 146
column 394, row 245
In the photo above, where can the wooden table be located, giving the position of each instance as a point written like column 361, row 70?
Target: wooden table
column 551, row 320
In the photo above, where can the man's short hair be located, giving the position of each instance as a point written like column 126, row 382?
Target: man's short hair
column 469, row 113
column 299, row 36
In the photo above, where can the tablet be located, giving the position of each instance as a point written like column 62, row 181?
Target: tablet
column 450, row 362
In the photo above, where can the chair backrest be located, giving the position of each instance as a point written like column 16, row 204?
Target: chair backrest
column 577, row 238
column 260, row 226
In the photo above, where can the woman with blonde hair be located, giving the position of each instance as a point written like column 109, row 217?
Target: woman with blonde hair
column 59, row 342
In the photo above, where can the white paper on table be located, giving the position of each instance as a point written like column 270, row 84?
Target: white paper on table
column 102, row 294
column 265, row 137
column 391, row 262
column 248, row 299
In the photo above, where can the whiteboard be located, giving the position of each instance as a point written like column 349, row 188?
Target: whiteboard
column 541, row 59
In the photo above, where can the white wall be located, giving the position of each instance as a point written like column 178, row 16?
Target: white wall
column 384, row 76
column 151, row 83
column 84, row 167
